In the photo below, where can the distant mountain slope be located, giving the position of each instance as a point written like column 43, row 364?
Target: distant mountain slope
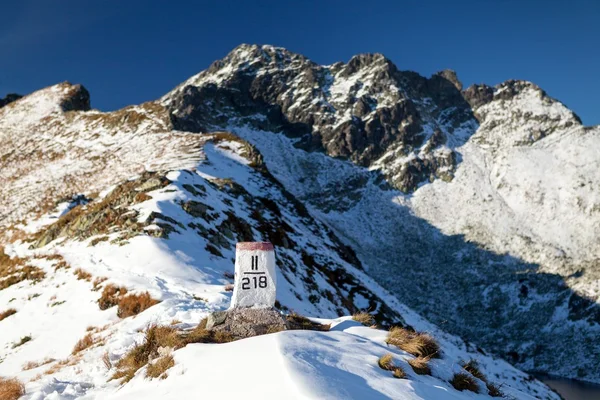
column 493, row 232
column 173, row 234
column 51, row 151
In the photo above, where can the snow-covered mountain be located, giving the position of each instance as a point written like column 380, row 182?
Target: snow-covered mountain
column 478, row 208
column 380, row 189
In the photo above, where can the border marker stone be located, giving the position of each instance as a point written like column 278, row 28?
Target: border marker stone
column 255, row 279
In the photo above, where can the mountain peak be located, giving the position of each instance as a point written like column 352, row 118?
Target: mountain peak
column 450, row 75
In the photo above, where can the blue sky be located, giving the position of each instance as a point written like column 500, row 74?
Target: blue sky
column 127, row 52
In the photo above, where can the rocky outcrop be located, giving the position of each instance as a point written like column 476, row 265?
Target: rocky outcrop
column 9, row 99
column 243, row 323
column 78, row 99
column 360, row 111
column 108, row 214
column 247, row 322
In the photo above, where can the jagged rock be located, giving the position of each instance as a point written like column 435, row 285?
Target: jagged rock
column 77, row 100
column 478, row 95
column 384, row 109
column 198, row 209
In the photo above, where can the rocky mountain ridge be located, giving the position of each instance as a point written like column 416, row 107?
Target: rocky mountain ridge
column 478, row 208
column 497, row 210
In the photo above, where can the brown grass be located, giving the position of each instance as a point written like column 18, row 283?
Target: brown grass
column 494, row 390
column 83, row 343
column 106, row 361
column 462, row 381
column 82, row 275
column 61, row 265
column 11, row 389
column 420, row 365
column 110, row 296
column 472, row 367
column 157, row 336
column 299, row 322
column 7, row 313
column 416, row 343
column 14, row 270
column 399, row 373
column 202, row 335
column 159, row 367
column 386, row 362
column 61, row 364
column 364, row 318
column 134, row 304
column 34, row 364
column 97, row 282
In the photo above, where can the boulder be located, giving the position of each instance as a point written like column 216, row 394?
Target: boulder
column 247, row 322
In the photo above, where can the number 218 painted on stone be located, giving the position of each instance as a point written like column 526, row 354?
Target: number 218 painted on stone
column 258, row 281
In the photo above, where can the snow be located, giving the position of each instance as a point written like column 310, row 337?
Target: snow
column 340, row 364
column 190, row 283
column 62, row 154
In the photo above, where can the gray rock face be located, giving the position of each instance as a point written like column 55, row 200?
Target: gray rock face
column 358, row 111
column 247, row 322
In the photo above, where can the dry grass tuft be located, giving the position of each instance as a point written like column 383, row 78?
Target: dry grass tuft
column 364, row 318
column 399, row 373
column 416, row 343
column 155, row 338
column 472, row 367
column 299, row 322
column 134, row 304
column 82, row 275
column 166, row 337
column 110, row 296
column 106, row 361
column 462, row 381
column 11, row 389
column 159, row 367
column 494, row 390
column 7, row 313
column 21, row 342
column 97, row 282
column 84, row 343
column 14, row 270
column 34, row 364
column 386, row 362
column 201, row 335
column 420, row 365
column 61, row 364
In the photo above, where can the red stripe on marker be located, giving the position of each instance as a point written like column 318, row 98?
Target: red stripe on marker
column 264, row 246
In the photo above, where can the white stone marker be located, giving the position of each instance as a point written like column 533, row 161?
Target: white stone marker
column 255, row 277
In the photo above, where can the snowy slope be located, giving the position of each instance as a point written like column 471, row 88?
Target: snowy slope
column 340, row 364
column 190, row 282
column 49, row 154
column 496, row 217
